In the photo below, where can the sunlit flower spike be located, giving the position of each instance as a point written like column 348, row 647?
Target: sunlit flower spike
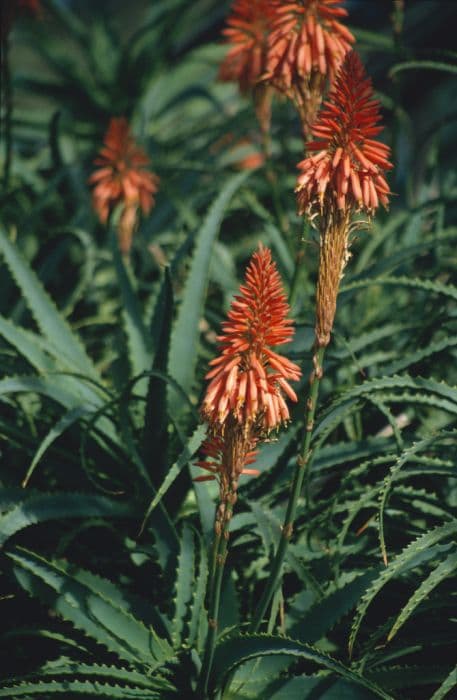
column 249, row 382
column 347, row 168
column 248, row 378
column 345, row 174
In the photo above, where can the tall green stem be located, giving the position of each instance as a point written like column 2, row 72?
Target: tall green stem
column 300, row 471
column 299, row 255
column 215, row 584
column 8, row 108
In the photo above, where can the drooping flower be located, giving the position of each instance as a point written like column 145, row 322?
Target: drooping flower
column 122, row 178
column 248, row 378
column 344, row 175
column 249, row 381
column 347, row 168
column 246, row 33
column 306, row 45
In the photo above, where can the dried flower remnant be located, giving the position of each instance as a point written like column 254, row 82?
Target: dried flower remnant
column 247, row 32
column 345, row 174
column 122, row 178
column 306, row 46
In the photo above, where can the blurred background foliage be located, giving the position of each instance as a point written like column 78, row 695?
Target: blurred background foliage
column 90, row 413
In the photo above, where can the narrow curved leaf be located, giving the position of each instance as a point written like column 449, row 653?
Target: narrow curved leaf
column 46, row 315
column 235, row 650
column 403, row 561
column 184, row 338
column 40, row 508
column 78, row 598
column 441, row 572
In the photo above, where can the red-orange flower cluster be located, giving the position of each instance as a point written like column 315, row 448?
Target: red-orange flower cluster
column 247, row 32
column 306, row 37
column 347, row 170
column 122, row 177
column 245, row 398
column 248, row 378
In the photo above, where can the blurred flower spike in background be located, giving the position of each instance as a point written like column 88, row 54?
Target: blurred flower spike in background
column 306, row 45
column 122, row 178
column 247, row 31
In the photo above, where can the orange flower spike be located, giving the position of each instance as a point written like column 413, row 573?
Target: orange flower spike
column 248, row 378
column 247, row 30
column 122, row 178
column 246, row 33
column 306, row 45
column 348, row 167
column 306, row 35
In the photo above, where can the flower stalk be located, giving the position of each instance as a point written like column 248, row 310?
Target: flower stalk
column 344, row 175
column 243, row 404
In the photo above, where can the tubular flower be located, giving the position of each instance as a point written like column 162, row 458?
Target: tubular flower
column 347, row 169
column 122, row 179
column 248, row 379
column 306, row 45
column 345, row 175
column 246, row 33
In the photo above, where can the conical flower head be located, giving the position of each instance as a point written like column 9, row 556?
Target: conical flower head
column 246, row 32
column 306, row 45
column 248, row 379
column 347, row 170
column 122, row 176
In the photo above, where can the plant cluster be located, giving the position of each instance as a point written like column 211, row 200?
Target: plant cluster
column 212, row 490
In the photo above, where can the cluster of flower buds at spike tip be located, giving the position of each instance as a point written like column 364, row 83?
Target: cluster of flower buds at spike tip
column 306, row 46
column 246, row 33
column 343, row 174
column 248, row 381
column 122, row 178
column 347, row 166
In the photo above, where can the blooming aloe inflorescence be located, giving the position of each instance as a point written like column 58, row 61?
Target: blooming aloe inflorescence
column 306, row 45
column 344, row 174
column 244, row 400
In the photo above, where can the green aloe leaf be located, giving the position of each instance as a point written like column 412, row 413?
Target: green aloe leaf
column 54, row 328
column 235, row 650
column 89, row 603
column 42, row 507
column 185, row 334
